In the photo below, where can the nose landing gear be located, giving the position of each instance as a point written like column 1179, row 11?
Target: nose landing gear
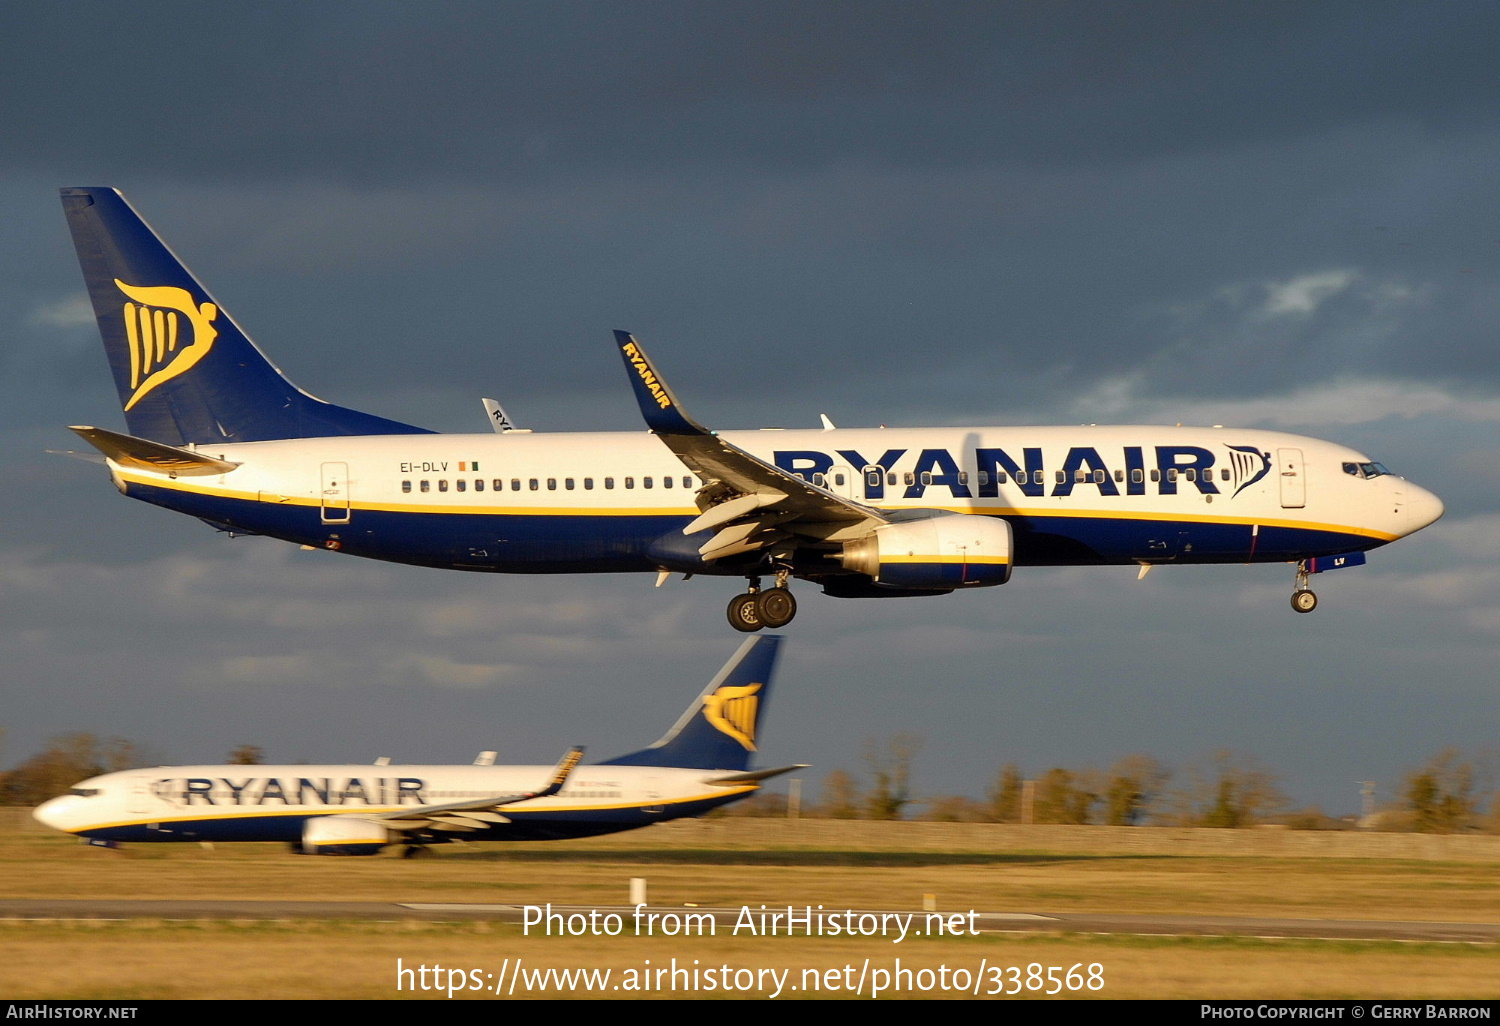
column 1303, row 599
column 755, row 608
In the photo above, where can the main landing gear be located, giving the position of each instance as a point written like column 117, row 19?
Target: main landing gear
column 756, row 609
column 1303, row 599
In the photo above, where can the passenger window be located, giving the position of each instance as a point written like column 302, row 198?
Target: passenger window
column 1061, row 477
column 498, row 484
column 927, row 477
column 406, row 486
column 909, row 479
column 479, row 484
column 630, row 482
column 963, row 477
column 462, row 485
column 1156, row 475
column 1172, row 474
column 890, row 478
column 666, row 482
column 443, row 485
column 588, row 484
column 568, row 483
column 984, row 476
column 1137, row 476
column 609, row 482
column 515, row 484
column 1098, row 477
column 551, row 484
column 1223, row 473
column 535, row 484
column 425, row 486
column 687, row 481
column 1190, row 473
column 1080, row 476
column 645, row 482
column 1119, row 477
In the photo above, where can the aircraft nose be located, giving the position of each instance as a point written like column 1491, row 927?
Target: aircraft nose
column 54, row 812
column 1421, row 508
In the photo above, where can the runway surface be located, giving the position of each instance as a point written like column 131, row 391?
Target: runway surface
column 985, row 922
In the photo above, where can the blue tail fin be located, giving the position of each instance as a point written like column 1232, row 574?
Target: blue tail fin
column 719, row 729
column 185, row 371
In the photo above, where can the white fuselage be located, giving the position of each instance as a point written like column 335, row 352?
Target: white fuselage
column 614, row 502
column 273, row 803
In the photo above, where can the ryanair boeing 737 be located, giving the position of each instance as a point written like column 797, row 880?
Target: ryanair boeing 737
column 217, row 432
column 703, row 762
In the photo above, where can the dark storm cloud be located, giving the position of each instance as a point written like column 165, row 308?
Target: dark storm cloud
column 400, row 91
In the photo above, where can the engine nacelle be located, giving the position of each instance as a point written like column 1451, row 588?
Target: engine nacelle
column 344, row 835
column 939, row 553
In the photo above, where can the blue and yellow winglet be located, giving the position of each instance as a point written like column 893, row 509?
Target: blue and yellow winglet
column 664, row 415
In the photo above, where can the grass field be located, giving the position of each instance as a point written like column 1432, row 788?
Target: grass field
column 146, row 959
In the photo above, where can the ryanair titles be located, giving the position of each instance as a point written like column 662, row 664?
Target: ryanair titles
column 648, row 376
column 1130, row 470
column 291, row 791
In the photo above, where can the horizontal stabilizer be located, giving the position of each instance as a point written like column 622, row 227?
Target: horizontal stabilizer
column 755, row 776
column 143, row 454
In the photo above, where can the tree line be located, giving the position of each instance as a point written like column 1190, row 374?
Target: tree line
column 1449, row 793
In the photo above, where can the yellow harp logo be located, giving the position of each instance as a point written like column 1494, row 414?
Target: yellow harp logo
column 160, row 349
column 732, row 711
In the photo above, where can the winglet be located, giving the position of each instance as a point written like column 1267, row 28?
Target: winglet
column 663, row 413
column 560, row 775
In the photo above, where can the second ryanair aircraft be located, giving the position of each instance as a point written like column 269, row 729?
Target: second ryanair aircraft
column 217, row 432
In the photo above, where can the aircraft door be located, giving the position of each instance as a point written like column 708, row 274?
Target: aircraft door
column 1293, row 482
column 335, row 493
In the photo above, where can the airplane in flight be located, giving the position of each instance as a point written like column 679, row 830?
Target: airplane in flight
column 218, row 433
column 701, row 763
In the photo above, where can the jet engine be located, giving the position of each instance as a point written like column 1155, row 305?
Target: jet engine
column 937, row 553
column 344, row 835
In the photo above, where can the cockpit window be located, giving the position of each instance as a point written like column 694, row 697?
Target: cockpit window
column 1366, row 470
column 85, row 792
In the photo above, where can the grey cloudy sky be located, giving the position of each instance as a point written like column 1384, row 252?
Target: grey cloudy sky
column 1255, row 214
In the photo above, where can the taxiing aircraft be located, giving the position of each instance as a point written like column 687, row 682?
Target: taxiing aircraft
column 217, row 432
column 703, row 762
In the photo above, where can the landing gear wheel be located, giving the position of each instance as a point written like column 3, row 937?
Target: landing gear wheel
column 1304, row 601
column 777, row 607
column 416, row 851
column 744, row 612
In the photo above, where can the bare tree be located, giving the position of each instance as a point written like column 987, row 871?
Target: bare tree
column 1134, row 784
column 1440, row 796
column 68, row 759
column 841, row 796
column 1063, row 796
column 1005, row 795
column 1230, row 790
column 890, row 767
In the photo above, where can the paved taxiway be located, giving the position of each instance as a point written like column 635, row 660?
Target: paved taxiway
column 990, row 922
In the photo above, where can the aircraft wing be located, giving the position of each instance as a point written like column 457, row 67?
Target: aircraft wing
column 476, row 813
column 748, row 503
